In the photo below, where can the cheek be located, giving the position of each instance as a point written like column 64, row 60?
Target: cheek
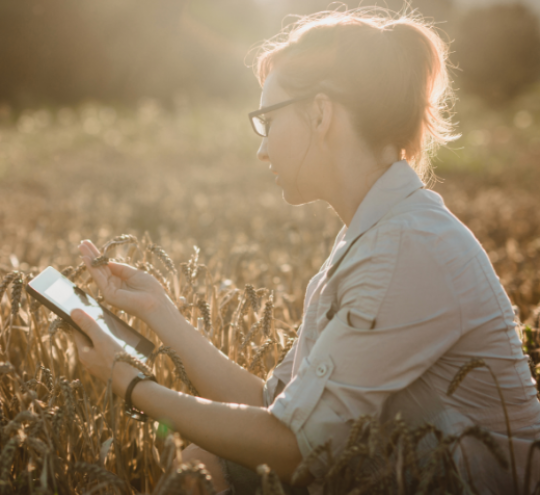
column 287, row 143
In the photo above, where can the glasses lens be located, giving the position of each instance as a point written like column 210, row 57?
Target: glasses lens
column 259, row 125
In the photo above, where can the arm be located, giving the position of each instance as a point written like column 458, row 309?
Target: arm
column 248, row 435
column 214, row 375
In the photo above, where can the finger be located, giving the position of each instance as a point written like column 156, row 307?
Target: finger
column 101, row 273
column 82, row 342
column 88, row 248
column 121, row 270
column 88, row 325
column 90, row 252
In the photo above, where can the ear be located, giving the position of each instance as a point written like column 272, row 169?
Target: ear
column 322, row 115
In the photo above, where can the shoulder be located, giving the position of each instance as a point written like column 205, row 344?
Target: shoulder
column 423, row 219
column 420, row 226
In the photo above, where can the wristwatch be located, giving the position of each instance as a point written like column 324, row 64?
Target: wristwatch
column 128, row 408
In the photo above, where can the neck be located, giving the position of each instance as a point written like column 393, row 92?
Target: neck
column 352, row 181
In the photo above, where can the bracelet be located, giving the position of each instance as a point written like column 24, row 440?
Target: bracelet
column 129, row 409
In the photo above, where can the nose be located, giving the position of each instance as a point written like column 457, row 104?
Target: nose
column 262, row 152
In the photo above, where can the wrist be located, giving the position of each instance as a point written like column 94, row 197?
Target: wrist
column 165, row 314
column 123, row 374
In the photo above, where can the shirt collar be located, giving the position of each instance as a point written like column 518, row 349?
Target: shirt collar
column 396, row 184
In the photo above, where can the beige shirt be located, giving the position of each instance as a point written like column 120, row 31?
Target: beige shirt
column 386, row 328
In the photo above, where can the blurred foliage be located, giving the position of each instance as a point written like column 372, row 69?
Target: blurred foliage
column 65, row 51
column 68, row 51
column 498, row 50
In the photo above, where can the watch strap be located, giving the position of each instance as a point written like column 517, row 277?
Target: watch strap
column 128, row 408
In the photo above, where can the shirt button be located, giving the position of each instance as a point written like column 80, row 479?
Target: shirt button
column 322, row 369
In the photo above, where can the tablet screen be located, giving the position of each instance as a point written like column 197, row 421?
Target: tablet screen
column 65, row 295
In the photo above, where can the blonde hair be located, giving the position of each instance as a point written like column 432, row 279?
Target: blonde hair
column 389, row 70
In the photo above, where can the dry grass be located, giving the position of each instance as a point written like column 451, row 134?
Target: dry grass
column 189, row 178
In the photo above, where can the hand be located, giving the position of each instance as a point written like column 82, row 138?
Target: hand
column 134, row 291
column 97, row 355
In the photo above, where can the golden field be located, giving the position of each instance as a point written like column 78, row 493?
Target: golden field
column 186, row 178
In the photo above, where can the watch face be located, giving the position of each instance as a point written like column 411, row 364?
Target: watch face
column 137, row 415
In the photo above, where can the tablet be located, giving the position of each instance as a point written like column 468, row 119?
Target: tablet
column 62, row 296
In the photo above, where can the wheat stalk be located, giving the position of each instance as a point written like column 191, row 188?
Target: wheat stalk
column 485, row 437
column 303, row 468
column 175, row 484
column 263, row 349
column 38, row 445
column 162, row 256
column 78, row 271
column 16, row 423
column 204, row 308
column 179, row 368
column 534, row 446
column 100, row 261
column 69, row 400
column 270, row 481
column 57, row 324
column 124, row 357
column 6, row 461
column 117, row 241
column 462, row 373
column 251, row 295
column 268, row 316
column 99, row 473
column 16, row 293
column 10, row 277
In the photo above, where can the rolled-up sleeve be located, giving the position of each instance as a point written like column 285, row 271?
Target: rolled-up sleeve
column 352, row 370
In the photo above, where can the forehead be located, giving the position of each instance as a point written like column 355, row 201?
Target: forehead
column 272, row 92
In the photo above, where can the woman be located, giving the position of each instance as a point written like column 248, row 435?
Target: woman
column 351, row 104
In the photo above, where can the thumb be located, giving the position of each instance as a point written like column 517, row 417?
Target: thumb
column 121, row 270
column 86, row 324
column 81, row 341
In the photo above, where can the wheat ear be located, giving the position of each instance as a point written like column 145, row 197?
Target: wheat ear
column 204, row 308
column 16, row 293
column 6, row 460
column 10, row 277
column 270, row 481
column 117, row 241
column 179, row 368
column 263, row 349
column 99, row 473
column 462, row 373
column 175, row 484
column 303, row 467
column 162, row 256
column 100, row 260
column 485, row 437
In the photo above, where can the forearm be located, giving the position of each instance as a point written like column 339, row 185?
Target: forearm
column 244, row 434
column 212, row 373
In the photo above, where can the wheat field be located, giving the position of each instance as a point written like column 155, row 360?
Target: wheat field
column 178, row 192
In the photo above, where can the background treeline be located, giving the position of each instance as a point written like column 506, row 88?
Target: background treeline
column 68, row 51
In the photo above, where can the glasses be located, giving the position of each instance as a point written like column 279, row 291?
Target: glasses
column 260, row 124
